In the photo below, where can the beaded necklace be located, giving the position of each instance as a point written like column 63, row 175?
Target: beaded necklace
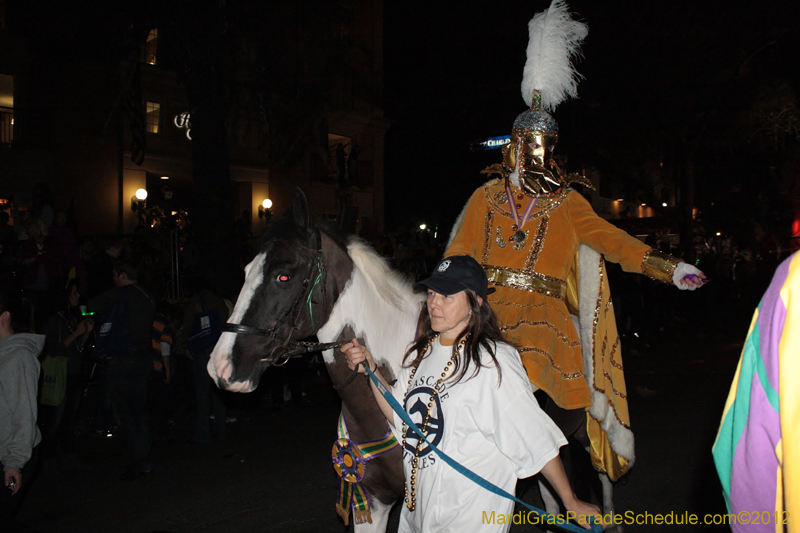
column 411, row 500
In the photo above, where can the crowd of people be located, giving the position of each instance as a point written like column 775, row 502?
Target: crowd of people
column 89, row 347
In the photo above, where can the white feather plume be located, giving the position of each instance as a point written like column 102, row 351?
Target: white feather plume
column 554, row 39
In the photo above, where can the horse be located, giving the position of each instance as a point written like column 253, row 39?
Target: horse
column 305, row 281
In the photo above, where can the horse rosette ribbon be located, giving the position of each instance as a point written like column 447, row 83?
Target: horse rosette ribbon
column 349, row 462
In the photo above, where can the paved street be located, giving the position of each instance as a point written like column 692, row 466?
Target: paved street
column 273, row 472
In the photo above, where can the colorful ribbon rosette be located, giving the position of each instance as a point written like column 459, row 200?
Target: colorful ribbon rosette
column 349, row 460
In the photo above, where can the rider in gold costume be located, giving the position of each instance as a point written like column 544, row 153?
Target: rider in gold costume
column 542, row 247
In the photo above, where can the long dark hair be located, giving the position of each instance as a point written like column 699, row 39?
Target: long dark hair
column 482, row 331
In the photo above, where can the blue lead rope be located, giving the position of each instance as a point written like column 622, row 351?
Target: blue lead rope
column 547, row 519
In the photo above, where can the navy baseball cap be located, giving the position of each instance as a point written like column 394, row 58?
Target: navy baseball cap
column 456, row 273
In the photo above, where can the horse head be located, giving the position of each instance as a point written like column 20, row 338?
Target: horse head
column 285, row 298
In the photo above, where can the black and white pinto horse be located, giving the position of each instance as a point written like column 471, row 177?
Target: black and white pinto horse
column 304, row 282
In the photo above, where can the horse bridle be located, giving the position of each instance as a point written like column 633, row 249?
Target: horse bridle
column 281, row 354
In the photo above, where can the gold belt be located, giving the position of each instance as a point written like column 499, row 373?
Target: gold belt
column 531, row 282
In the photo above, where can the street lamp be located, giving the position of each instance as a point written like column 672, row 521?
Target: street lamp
column 138, row 200
column 264, row 208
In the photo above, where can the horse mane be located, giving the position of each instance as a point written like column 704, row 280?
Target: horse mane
column 378, row 303
column 390, row 285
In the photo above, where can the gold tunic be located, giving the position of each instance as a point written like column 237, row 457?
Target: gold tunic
column 536, row 286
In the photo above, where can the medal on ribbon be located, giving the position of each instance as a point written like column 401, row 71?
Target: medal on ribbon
column 519, row 221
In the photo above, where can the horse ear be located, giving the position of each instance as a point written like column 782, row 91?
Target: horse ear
column 300, row 209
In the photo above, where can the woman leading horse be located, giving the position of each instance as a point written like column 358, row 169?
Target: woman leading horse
column 466, row 388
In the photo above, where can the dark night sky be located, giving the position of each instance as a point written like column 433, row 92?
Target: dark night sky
column 652, row 69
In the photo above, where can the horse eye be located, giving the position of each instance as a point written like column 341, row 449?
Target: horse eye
column 283, row 278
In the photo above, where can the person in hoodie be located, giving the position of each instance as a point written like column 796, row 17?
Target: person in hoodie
column 19, row 379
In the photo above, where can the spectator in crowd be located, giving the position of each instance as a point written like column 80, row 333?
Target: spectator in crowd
column 66, row 238
column 128, row 371
column 42, row 271
column 101, row 268
column 757, row 450
column 41, row 207
column 19, row 378
column 67, row 333
column 243, row 226
column 83, row 264
column 205, row 303
column 182, row 371
column 167, row 320
column 8, row 245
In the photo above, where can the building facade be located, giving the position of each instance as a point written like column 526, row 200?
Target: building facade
column 303, row 108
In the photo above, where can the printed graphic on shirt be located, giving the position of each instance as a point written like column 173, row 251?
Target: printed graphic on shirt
column 416, row 405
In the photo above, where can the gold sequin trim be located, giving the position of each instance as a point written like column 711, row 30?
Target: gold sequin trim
column 614, row 410
column 603, row 347
column 596, row 316
column 616, row 392
column 487, row 230
column 501, row 198
column 565, row 375
column 658, row 265
column 610, row 403
column 614, row 349
column 501, row 242
column 545, row 204
column 538, row 243
column 549, row 325
column 530, row 306
column 526, row 281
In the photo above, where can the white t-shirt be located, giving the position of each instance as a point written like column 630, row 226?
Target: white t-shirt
column 497, row 431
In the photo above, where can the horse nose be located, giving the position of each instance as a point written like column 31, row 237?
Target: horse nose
column 239, row 386
column 220, row 367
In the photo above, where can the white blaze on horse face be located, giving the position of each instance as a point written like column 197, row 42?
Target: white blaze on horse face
column 219, row 364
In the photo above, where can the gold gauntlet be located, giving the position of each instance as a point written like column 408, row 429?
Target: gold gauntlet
column 659, row 266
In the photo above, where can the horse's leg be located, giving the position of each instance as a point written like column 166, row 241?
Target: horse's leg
column 608, row 501
column 380, row 518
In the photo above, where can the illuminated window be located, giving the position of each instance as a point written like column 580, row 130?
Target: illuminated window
column 153, row 116
column 150, row 48
column 6, row 109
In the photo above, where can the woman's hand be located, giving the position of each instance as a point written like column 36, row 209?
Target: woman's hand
column 356, row 354
column 580, row 512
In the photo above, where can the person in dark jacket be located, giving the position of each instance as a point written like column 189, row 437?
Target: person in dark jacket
column 204, row 303
column 128, row 372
